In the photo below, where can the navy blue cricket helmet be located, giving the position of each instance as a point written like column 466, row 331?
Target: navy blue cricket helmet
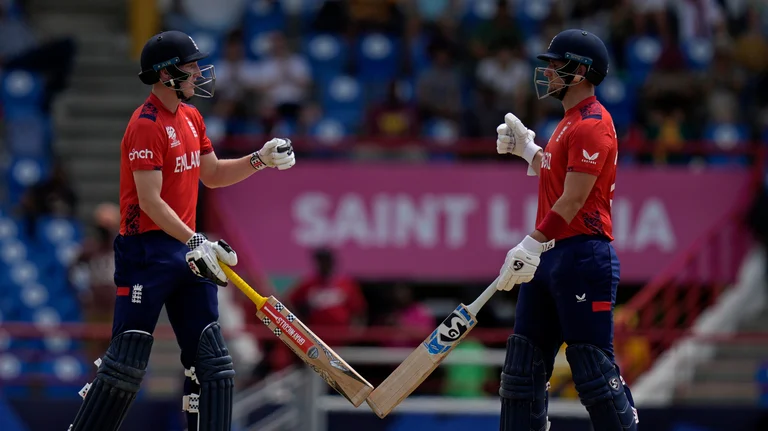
column 169, row 50
column 575, row 47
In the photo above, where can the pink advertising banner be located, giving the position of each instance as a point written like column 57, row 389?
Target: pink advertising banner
column 445, row 222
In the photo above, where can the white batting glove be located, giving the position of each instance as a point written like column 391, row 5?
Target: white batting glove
column 521, row 262
column 276, row 153
column 203, row 258
column 514, row 138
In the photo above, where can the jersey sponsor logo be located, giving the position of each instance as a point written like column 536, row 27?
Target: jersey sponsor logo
column 191, row 127
column 187, row 161
column 140, row 154
column 589, row 158
column 546, row 160
column 172, row 136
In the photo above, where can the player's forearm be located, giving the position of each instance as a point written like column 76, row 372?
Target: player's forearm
column 230, row 171
column 565, row 208
column 166, row 218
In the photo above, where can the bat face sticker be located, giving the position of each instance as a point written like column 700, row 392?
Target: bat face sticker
column 452, row 328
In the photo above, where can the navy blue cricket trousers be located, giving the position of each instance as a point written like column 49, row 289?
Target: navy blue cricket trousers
column 571, row 297
column 151, row 271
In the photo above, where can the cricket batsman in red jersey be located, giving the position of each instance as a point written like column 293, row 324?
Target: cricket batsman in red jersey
column 160, row 259
column 567, row 267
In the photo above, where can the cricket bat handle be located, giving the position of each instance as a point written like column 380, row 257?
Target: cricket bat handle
column 243, row 286
column 478, row 303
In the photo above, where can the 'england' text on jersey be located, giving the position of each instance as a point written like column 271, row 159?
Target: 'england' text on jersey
column 187, row 161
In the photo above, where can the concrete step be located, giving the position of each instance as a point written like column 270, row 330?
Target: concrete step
column 115, row 66
column 107, row 130
column 95, row 6
column 94, row 148
column 717, row 394
column 82, row 22
column 97, row 191
column 742, row 351
column 727, row 371
column 96, row 106
column 124, row 86
column 95, row 168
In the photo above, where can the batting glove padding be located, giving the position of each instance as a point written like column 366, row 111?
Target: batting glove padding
column 276, row 153
column 514, row 138
column 521, row 263
column 203, row 258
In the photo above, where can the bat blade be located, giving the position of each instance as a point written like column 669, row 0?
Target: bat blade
column 314, row 352
column 421, row 362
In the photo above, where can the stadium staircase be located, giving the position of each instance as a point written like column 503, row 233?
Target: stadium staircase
column 90, row 118
column 700, row 327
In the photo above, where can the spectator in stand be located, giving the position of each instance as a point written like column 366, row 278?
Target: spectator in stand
column 20, row 50
column 237, row 100
column 284, row 79
column 50, row 197
column 438, row 89
column 393, row 117
column 506, row 74
column 408, row 313
column 326, row 298
column 500, row 27
column 92, row 273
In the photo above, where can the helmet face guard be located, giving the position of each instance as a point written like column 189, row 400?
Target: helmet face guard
column 565, row 72
column 203, row 84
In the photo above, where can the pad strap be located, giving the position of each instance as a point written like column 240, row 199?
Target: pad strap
column 118, row 379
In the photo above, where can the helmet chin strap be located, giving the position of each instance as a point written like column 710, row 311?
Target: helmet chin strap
column 176, row 85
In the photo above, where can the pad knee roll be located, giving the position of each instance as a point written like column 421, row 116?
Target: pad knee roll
column 117, row 382
column 523, row 387
column 214, row 374
column 600, row 388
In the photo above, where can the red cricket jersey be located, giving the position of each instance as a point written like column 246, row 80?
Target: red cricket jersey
column 159, row 139
column 584, row 141
column 334, row 302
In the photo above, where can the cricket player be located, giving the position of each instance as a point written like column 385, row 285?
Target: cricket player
column 159, row 258
column 567, row 267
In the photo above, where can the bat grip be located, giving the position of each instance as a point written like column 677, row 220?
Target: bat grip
column 243, row 286
column 478, row 303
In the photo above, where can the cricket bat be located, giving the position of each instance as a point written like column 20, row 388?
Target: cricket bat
column 426, row 358
column 305, row 344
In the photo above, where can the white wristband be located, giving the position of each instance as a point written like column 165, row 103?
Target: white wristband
column 530, row 151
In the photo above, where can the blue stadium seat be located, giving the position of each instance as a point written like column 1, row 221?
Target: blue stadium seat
column 21, row 91
column 698, row 53
column 477, row 11
column 9, row 229
column 22, row 273
column 724, row 138
column 440, row 130
column 208, row 41
column 377, row 57
column 327, row 56
column 34, row 296
column 59, row 230
column 12, row 375
column 28, row 133
column 23, row 173
column 66, row 374
column 419, row 55
column 262, row 18
column 530, row 15
column 618, row 98
column 544, row 130
column 12, row 250
column 328, row 130
column 343, row 100
column 642, row 53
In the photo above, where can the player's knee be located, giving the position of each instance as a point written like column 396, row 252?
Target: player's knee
column 523, row 375
column 594, row 374
column 211, row 383
column 125, row 363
